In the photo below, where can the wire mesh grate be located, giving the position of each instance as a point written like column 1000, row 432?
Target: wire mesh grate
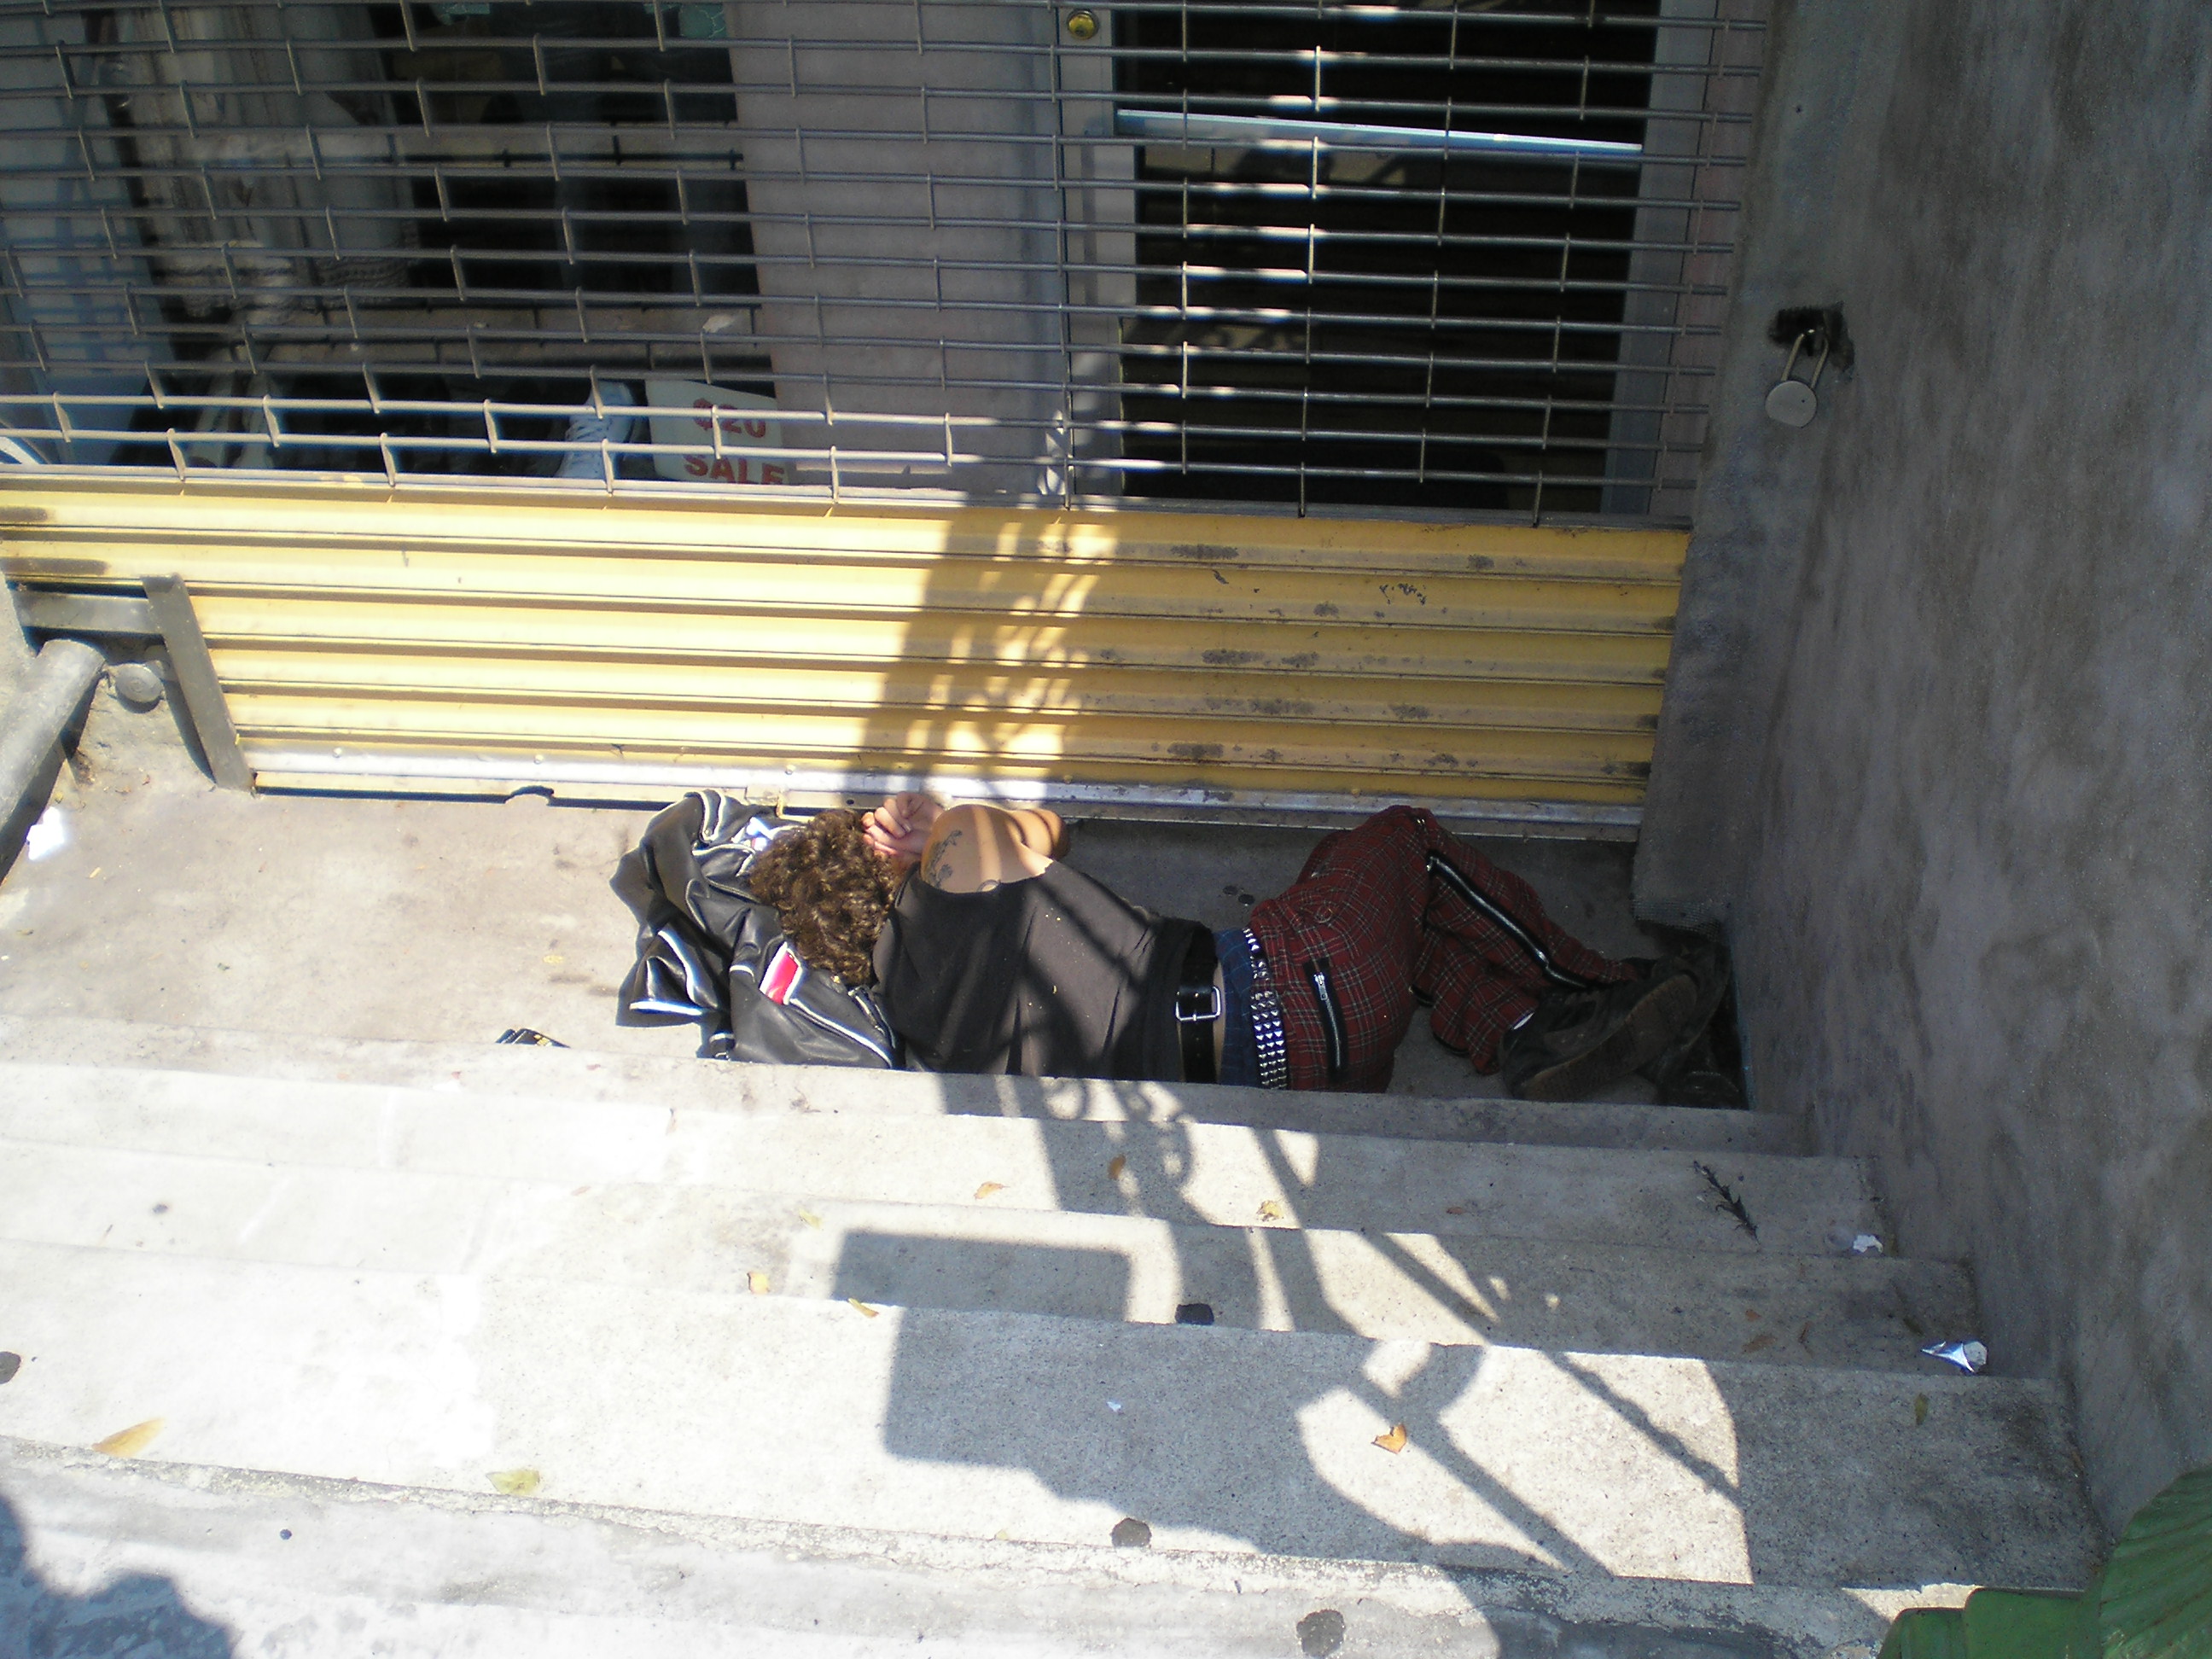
column 1436, row 255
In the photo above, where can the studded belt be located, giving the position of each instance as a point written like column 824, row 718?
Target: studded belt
column 1267, row 1042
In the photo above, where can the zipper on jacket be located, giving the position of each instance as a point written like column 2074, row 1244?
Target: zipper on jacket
column 1442, row 868
column 1331, row 1019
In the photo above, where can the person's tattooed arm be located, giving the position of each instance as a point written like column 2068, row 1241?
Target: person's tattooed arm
column 939, row 863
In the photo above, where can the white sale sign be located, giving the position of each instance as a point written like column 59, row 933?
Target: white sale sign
column 748, row 426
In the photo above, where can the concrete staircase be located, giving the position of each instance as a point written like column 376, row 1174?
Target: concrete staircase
column 465, row 1349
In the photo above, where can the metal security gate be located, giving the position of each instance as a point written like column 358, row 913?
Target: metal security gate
column 1459, row 266
column 1457, row 255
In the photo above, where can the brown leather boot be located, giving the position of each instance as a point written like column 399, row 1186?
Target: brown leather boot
column 1577, row 1042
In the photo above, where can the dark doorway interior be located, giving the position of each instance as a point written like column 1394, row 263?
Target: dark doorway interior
column 1361, row 327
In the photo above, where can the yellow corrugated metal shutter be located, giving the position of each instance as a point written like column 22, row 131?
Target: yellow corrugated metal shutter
column 624, row 648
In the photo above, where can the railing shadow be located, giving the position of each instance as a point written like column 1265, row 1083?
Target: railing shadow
column 1219, row 1436
column 1016, row 661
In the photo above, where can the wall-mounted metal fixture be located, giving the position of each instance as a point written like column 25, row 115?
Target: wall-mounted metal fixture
column 1791, row 401
column 1083, row 26
column 164, row 614
column 1815, row 332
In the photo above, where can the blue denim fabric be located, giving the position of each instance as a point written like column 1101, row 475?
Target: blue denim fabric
column 1240, row 1060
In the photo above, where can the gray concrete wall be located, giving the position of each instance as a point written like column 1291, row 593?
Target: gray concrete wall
column 1942, row 674
column 910, row 186
column 1813, row 135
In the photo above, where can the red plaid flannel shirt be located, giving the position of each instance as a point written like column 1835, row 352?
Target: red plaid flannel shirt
column 1368, row 918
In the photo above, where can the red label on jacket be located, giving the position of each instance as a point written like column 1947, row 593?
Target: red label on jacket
column 781, row 978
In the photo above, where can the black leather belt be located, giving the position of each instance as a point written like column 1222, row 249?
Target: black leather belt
column 1198, row 1007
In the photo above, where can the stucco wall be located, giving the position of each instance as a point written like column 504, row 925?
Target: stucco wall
column 1960, row 716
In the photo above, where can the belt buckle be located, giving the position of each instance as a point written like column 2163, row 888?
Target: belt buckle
column 1201, row 1014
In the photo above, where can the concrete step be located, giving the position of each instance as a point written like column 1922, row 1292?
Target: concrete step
column 1052, row 1431
column 1872, row 1312
column 575, row 1074
column 181, row 1560
column 1220, row 1174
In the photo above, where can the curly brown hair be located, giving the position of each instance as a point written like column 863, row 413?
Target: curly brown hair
column 832, row 891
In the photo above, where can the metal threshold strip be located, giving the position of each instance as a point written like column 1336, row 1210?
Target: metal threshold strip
column 399, row 773
column 486, row 640
column 1251, row 131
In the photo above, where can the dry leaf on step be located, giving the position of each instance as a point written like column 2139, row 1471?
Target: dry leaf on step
column 759, row 1283
column 129, row 1442
column 1270, row 1211
column 515, row 1483
column 1113, row 1171
column 862, row 1307
column 810, row 1218
column 1919, row 1409
column 1395, row 1441
column 990, row 1187
column 1765, row 1339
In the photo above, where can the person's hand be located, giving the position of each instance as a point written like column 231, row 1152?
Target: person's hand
column 899, row 828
